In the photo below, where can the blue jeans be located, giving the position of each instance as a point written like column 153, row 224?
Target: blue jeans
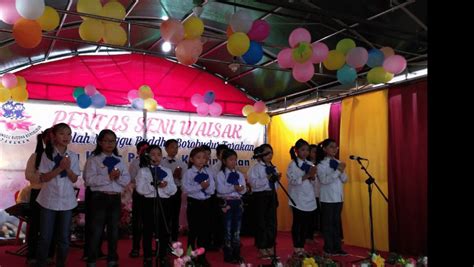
column 232, row 223
column 49, row 219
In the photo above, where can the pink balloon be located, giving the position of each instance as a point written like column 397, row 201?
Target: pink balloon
column 200, row 251
column 188, row 51
column 299, row 35
column 303, row 72
column 132, row 94
column 395, row 64
column 197, row 99
column 8, row 12
column 9, row 80
column 172, row 31
column 357, row 57
column 259, row 106
column 259, row 31
column 202, row 109
column 90, row 90
column 320, row 52
column 215, row 109
column 285, row 60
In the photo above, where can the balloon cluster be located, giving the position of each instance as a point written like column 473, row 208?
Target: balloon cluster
column 94, row 30
column 143, row 98
column 245, row 36
column 28, row 18
column 256, row 113
column 186, row 36
column 205, row 104
column 89, row 96
column 13, row 87
column 302, row 55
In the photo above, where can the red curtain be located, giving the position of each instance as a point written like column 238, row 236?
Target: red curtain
column 407, row 164
column 335, row 122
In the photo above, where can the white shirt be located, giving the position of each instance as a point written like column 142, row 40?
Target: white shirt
column 172, row 166
column 227, row 190
column 317, row 187
column 331, row 182
column 193, row 189
column 302, row 191
column 97, row 175
column 133, row 169
column 144, row 187
column 258, row 178
column 216, row 168
column 58, row 194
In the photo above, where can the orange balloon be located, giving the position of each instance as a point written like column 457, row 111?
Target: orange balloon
column 188, row 51
column 27, row 33
column 229, row 31
column 172, row 31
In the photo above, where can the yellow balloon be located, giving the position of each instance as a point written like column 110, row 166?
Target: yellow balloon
column 253, row 118
column 193, row 27
column 93, row 7
column 19, row 95
column 345, row 45
column 91, row 30
column 5, row 94
column 378, row 75
column 150, row 104
column 114, row 34
column 113, row 10
column 238, row 44
column 263, row 118
column 49, row 20
column 335, row 60
column 21, row 82
column 247, row 109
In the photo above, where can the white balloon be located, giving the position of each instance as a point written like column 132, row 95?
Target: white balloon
column 241, row 21
column 30, row 9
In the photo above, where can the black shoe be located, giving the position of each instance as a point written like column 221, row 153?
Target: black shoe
column 135, row 253
column 112, row 264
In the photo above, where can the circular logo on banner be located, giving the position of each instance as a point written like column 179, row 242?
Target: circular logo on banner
column 15, row 123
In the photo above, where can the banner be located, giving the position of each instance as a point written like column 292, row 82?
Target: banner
column 21, row 122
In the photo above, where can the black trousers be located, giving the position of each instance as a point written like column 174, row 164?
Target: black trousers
column 32, row 235
column 137, row 219
column 331, row 219
column 299, row 229
column 216, row 239
column 265, row 206
column 315, row 225
column 105, row 211
column 175, row 208
column 88, row 222
column 151, row 229
column 199, row 213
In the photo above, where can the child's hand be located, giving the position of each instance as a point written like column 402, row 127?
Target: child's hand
column 205, row 184
column 342, row 166
column 163, row 184
column 114, row 174
column 65, row 163
column 238, row 187
column 312, row 172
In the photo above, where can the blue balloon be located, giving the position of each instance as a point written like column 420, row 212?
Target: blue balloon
column 376, row 58
column 254, row 54
column 98, row 101
column 138, row 104
column 209, row 97
column 84, row 101
column 346, row 75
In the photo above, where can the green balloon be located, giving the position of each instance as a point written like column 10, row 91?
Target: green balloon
column 378, row 75
column 302, row 52
column 345, row 45
column 78, row 91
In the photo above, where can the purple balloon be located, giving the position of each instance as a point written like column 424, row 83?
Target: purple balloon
column 303, row 72
column 395, row 64
column 320, row 52
column 259, row 31
column 209, row 97
column 357, row 57
column 98, row 101
column 138, row 104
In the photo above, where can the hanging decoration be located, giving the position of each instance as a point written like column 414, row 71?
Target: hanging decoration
column 13, row 88
column 256, row 113
column 205, row 104
column 89, row 96
column 143, row 98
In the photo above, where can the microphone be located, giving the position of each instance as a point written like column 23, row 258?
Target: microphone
column 352, row 157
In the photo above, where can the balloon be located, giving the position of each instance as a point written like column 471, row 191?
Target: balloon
column 209, row 97
column 30, row 9
column 263, row 118
column 345, row 45
column 346, row 75
column 357, row 57
column 387, row 51
column 299, row 35
column 21, row 82
column 241, row 21
column 259, row 106
column 197, row 99
column 202, row 109
column 238, row 44
column 378, row 75
column 285, row 58
column 215, row 109
column 303, row 72
column 150, row 104
column 376, row 58
column 98, row 101
column 172, row 31
column 8, row 12
column 193, row 27
column 302, row 52
column 188, row 51
column 113, row 10
column 9, row 80
column 145, row 92
column 77, row 92
column 93, row 7
column 254, row 54
column 5, row 94
column 253, row 118
column 395, row 64
column 229, row 31
column 247, row 109
column 132, row 94
column 84, row 101
column 49, row 20
column 19, row 94
column 320, row 52
column 259, row 31
column 138, row 104
column 90, row 90
column 27, row 33
column 334, row 61
column 91, row 30
column 114, row 34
